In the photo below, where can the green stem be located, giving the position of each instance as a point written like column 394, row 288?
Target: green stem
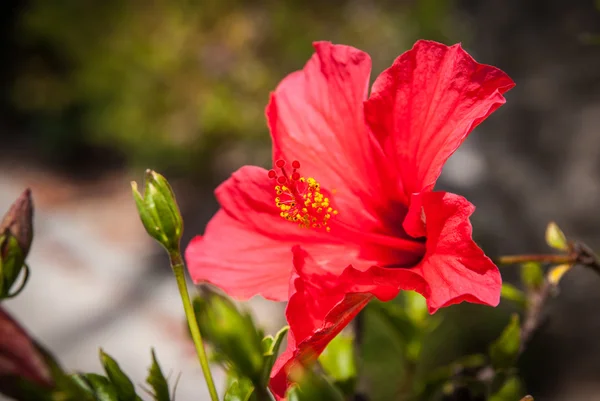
column 262, row 394
column 516, row 259
column 178, row 269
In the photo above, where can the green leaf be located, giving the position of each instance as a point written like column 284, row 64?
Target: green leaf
column 101, row 387
column 239, row 390
column 312, row 387
column 118, row 378
column 512, row 293
column 505, row 350
column 511, row 390
column 271, row 347
column 382, row 354
column 339, row 363
column 532, row 275
column 395, row 316
column 157, row 381
column 232, row 333
column 555, row 238
column 557, row 272
column 415, row 306
column 435, row 380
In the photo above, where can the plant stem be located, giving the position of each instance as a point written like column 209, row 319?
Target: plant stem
column 178, row 270
column 262, row 394
column 516, row 259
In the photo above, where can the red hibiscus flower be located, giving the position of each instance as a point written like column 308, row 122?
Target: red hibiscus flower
column 351, row 193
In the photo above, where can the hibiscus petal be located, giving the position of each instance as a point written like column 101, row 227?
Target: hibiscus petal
column 454, row 267
column 423, row 107
column 321, row 304
column 316, row 116
column 246, row 248
column 240, row 262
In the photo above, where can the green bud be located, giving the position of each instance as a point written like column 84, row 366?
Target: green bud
column 159, row 211
column 16, row 235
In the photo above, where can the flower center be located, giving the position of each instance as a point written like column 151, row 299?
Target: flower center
column 300, row 199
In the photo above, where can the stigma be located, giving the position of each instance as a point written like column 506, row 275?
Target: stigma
column 301, row 200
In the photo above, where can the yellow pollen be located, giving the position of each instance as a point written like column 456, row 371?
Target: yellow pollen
column 300, row 199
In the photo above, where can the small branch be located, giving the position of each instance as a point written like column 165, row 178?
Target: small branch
column 518, row 259
column 533, row 315
column 586, row 257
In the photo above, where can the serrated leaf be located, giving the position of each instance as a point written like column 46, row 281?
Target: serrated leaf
column 118, row 378
column 532, row 275
column 505, row 350
column 555, row 238
column 339, row 363
column 157, row 381
column 512, row 293
column 557, row 272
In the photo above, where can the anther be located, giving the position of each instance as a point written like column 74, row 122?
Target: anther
column 300, row 199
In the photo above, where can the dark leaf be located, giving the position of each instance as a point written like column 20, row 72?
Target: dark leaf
column 118, row 378
column 157, row 381
column 505, row 350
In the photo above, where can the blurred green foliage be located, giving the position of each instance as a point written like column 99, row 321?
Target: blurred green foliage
column 173, row 84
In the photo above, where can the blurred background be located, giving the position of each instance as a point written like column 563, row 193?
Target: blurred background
column 93, row 92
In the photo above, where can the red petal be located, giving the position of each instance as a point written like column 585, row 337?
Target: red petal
column 246, row 249
column 240, row 262
column 316, row 116
column 454, row 267
column 244, row 263
column 423, row 107
column 321, row 304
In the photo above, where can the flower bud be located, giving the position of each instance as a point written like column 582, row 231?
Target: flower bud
column 16, row 235
column 159, row 211
column 21, row 358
